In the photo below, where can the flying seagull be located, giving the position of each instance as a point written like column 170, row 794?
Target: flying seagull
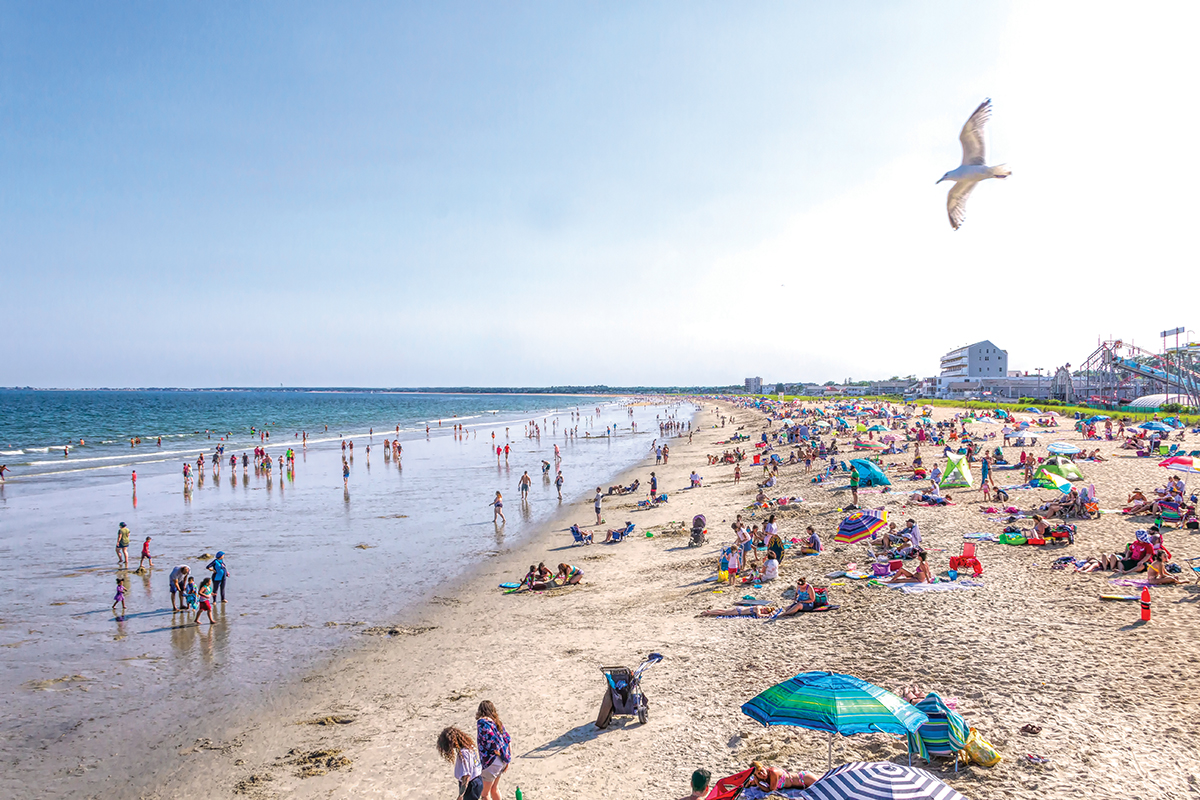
column 973, row 169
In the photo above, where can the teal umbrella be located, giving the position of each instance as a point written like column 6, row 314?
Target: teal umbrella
column 836, row 704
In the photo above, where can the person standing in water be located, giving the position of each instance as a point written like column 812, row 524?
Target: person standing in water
column 558, row 483
column 219, row 573
column 123, row 545
column 145, row 553
column 498, row 508
column 523, row 485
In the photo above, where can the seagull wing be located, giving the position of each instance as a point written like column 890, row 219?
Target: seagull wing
column 956, row 202
column 974, row 148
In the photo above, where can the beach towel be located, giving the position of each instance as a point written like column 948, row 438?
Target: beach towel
column 947, row 586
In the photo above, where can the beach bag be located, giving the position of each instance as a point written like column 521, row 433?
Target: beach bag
column 980, row 750
column 880, row 570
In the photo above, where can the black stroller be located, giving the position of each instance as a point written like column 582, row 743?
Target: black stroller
column 624, row 692
column 699, row 534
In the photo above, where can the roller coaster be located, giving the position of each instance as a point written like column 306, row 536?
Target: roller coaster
column 1118, row 372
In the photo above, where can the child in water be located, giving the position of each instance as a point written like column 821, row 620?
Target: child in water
column 189, row 594
column 120, row 596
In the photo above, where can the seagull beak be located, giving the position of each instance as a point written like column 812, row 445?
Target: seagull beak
column 939, row 180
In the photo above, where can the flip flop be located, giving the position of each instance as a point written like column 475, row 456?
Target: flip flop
column 1031, row 729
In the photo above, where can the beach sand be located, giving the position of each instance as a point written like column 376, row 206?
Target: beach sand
column 1116, row 699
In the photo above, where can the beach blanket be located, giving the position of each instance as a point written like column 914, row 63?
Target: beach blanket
column 941, row 586
column 1130, row 582
column 981, row 537
column 754, row 793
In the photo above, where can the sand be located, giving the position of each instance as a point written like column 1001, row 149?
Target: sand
column 1117, row 700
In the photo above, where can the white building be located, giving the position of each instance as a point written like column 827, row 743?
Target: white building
column 753, row 385
column 971, row 363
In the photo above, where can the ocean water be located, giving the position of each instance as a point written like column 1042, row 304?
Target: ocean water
column 312, row 562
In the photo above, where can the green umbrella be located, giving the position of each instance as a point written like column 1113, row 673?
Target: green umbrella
column 836, row 704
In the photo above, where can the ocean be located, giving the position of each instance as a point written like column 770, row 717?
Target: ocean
column 313, row 562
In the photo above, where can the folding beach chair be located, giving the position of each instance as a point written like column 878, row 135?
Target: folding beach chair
column 580, row 536
column 731, row 788
column 1194, row 563
column 967, row 559
column 945, row 734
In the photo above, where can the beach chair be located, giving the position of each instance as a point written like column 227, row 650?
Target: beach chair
column 621, row 535
column 731, row 787
column 581, row 537
column 967, row 559
column 1194, row 564
column 944, row 735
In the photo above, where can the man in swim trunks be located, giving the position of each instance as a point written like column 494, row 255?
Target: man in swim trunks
column 599, row 497
column 523, row 485
column 178, row 578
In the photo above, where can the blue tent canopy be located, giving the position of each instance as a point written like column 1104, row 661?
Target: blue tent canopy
column 869, row 474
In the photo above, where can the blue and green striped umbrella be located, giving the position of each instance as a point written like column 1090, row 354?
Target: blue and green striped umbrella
column 836, row 704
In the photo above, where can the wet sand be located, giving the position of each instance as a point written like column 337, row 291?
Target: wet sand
column 94, row 696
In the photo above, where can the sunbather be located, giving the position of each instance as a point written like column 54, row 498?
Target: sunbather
column 920, row 575
column 806, row 599
column 772, row 779
column 1156, row 572
column 739, row 611
column 812, row 543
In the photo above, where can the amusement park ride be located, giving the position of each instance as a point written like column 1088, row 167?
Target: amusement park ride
column 1118, row 372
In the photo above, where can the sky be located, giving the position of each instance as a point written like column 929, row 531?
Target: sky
column 528, row 194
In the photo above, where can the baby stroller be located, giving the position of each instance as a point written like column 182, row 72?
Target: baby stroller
column 699, row 534
column 624, row 693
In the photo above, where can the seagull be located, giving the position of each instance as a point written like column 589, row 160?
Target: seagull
column 973, row 169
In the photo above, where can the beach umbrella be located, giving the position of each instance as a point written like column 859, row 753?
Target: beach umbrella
column 889, row 438
column 1033, row 410
column 858, row 526
column 860, row 428
column 1155, row 425
column 1092, row 420
column 879, row 780
column 868, row 445
column 1181, row 464
column 877, row 428
column 1050, row 480
column 1064, row 449
column 835, row 704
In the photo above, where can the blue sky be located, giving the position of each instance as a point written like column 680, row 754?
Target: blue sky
column 487, row 194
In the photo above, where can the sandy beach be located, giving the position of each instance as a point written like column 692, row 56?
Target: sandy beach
column 1115, row 699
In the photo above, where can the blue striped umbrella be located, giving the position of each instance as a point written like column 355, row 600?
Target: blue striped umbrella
column 836, row 704
column 879, row 780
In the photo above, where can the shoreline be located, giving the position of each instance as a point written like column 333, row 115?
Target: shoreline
column 1030, row 645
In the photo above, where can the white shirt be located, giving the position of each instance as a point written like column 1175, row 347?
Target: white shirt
column 467, row 765
column 770, row 570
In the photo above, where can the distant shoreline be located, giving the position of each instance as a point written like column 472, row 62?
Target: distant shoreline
column 564, row 391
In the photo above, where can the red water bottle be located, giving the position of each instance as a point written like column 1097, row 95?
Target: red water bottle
column 1145, row 604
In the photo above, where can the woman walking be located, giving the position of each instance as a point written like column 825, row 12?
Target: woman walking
column 495, row 750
